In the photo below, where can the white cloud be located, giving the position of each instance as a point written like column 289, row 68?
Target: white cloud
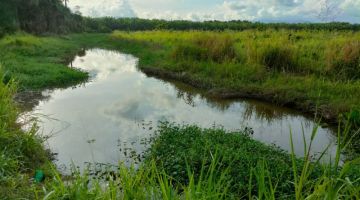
column 266, row 10
column 198, row 10
column 100, row 8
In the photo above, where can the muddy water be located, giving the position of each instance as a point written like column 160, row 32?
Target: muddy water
column 118, row 109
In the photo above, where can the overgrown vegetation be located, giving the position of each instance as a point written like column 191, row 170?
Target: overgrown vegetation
column 187, row 162
column 252, row 169
column 20, row 152
column 178, row 148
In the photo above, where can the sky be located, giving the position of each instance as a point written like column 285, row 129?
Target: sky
column 224, row 10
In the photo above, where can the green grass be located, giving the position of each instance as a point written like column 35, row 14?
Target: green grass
column 20, row 152
column 36, row 63
column 146, row 182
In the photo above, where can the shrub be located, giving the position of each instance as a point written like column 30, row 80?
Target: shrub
column 176, row 148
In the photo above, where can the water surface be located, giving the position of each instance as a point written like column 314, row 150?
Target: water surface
column 119, row 108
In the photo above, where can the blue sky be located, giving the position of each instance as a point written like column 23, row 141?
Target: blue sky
column 198, row 10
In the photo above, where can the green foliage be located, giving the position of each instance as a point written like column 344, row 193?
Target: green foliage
column 38, row 16
column 108, row 24
column 178, row 148
column 8, row 22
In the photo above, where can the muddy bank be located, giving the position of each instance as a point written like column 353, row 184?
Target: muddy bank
column 303, row 105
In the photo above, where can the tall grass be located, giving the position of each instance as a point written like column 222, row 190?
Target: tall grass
column 310, row 51
column 279, row 58
column 20, row 152
column 145, row 182
column 347, row 62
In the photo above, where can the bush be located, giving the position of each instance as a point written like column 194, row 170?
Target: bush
column 177, row 147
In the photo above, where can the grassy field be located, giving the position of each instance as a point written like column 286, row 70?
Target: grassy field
column 317, row 71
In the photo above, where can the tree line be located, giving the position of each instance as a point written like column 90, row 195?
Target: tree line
column 37, row 16
column 52, row 16
column 106, row 24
